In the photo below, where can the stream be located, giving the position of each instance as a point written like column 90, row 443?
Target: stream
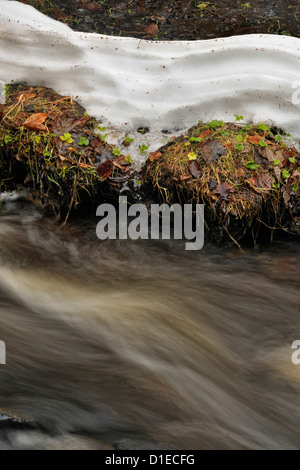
column 142, row 345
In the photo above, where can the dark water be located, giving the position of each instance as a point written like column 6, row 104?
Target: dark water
column 144, row 345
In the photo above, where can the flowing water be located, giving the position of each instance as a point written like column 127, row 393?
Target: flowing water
column 144, row 345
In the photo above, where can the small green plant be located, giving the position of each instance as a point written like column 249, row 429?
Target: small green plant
column 83, row 141
column 238, row 118
column 195, row 139
column 278, row 138
column 7, row 139
column 263, row 143
column 128, row 159
column 143, row 148
column 276, row 161
column 128, row 139
column 239, row 138
column 295, row 187
column 116, row 152
column 214, row 124
column 67, row 138
column 142, row 130
column 285, row 174
column 292, row 160
column 239, row 146
column 202, row 6
column 192, row 156
column 102, row 137
column 37, row 139
column 251, row 165
column 263, row 127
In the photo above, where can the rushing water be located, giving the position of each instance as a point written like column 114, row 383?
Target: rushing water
column 143, row 345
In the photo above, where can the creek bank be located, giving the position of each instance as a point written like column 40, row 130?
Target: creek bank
column 175, row 20
column 246, row 175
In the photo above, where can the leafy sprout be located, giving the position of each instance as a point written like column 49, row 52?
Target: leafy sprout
column 67, row 138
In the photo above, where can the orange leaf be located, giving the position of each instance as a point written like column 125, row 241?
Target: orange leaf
column 204, row 134
column 152, row 29
column 254, row 139
column 154, row 155
column 35, row 122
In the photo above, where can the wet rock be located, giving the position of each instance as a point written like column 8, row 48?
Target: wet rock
column 11, row 423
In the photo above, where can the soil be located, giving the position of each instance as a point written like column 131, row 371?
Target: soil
column 175, row 20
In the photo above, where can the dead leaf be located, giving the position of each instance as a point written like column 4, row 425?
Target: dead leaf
column 229, row 145
column 154, row 155
column 204, row 134
column 184, row 177
column 152, row 30
column 35, row 122
column 254, row 139
column 105, row 169
column 96, row 142
column 195, row 168
column 252, row 183
column 265, row 181
column 286, row 194
column 90, row 6
column 124, row 168
column 224, row 190
column 277, row 172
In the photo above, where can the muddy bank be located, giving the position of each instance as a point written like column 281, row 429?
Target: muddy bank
column 175, row 20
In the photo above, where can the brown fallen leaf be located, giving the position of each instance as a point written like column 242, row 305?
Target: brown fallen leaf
column 194, row 168
column 154, row 155
column 184, row 177
column 90, row 6
column 124, row 168
column 105, row 169
column 35, row 122
column 224, row 190
column 265, row 181
column 252, row 183
column 152, row 30
column 254, row 139
column 96, row 142
column 292, row 151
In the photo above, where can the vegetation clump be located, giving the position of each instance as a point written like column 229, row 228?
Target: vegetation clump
column 51, row 145
column 247, row 177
